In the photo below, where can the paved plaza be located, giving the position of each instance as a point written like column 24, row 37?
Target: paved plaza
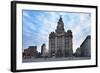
column 54, row 59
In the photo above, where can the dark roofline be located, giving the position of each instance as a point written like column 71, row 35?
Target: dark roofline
column 88, row 37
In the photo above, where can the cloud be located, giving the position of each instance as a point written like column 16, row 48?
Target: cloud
column 37, row 26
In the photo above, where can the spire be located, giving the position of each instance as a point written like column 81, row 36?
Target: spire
column 60, row 26
column 60, row 18
column 60, row 22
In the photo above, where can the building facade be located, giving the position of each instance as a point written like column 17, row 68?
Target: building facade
column 60, row 42
column 85, row 48
column 78, row 52
column 44, row 50
column 30, row 52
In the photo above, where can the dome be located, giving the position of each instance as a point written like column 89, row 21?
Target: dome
column 52, row 35
column 69, row 32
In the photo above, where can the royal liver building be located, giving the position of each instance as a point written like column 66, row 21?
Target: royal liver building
column 60, row 41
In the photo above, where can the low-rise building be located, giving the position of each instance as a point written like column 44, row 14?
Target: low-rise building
column 78, row 52
column 30, row 52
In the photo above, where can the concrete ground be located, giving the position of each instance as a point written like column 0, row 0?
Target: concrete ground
column 54, row 59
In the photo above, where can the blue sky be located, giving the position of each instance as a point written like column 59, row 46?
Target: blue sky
column 37, row 26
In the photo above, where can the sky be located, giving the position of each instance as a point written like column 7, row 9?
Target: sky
column 37, row 26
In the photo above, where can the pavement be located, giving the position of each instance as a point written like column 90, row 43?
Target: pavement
column 54, row 59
